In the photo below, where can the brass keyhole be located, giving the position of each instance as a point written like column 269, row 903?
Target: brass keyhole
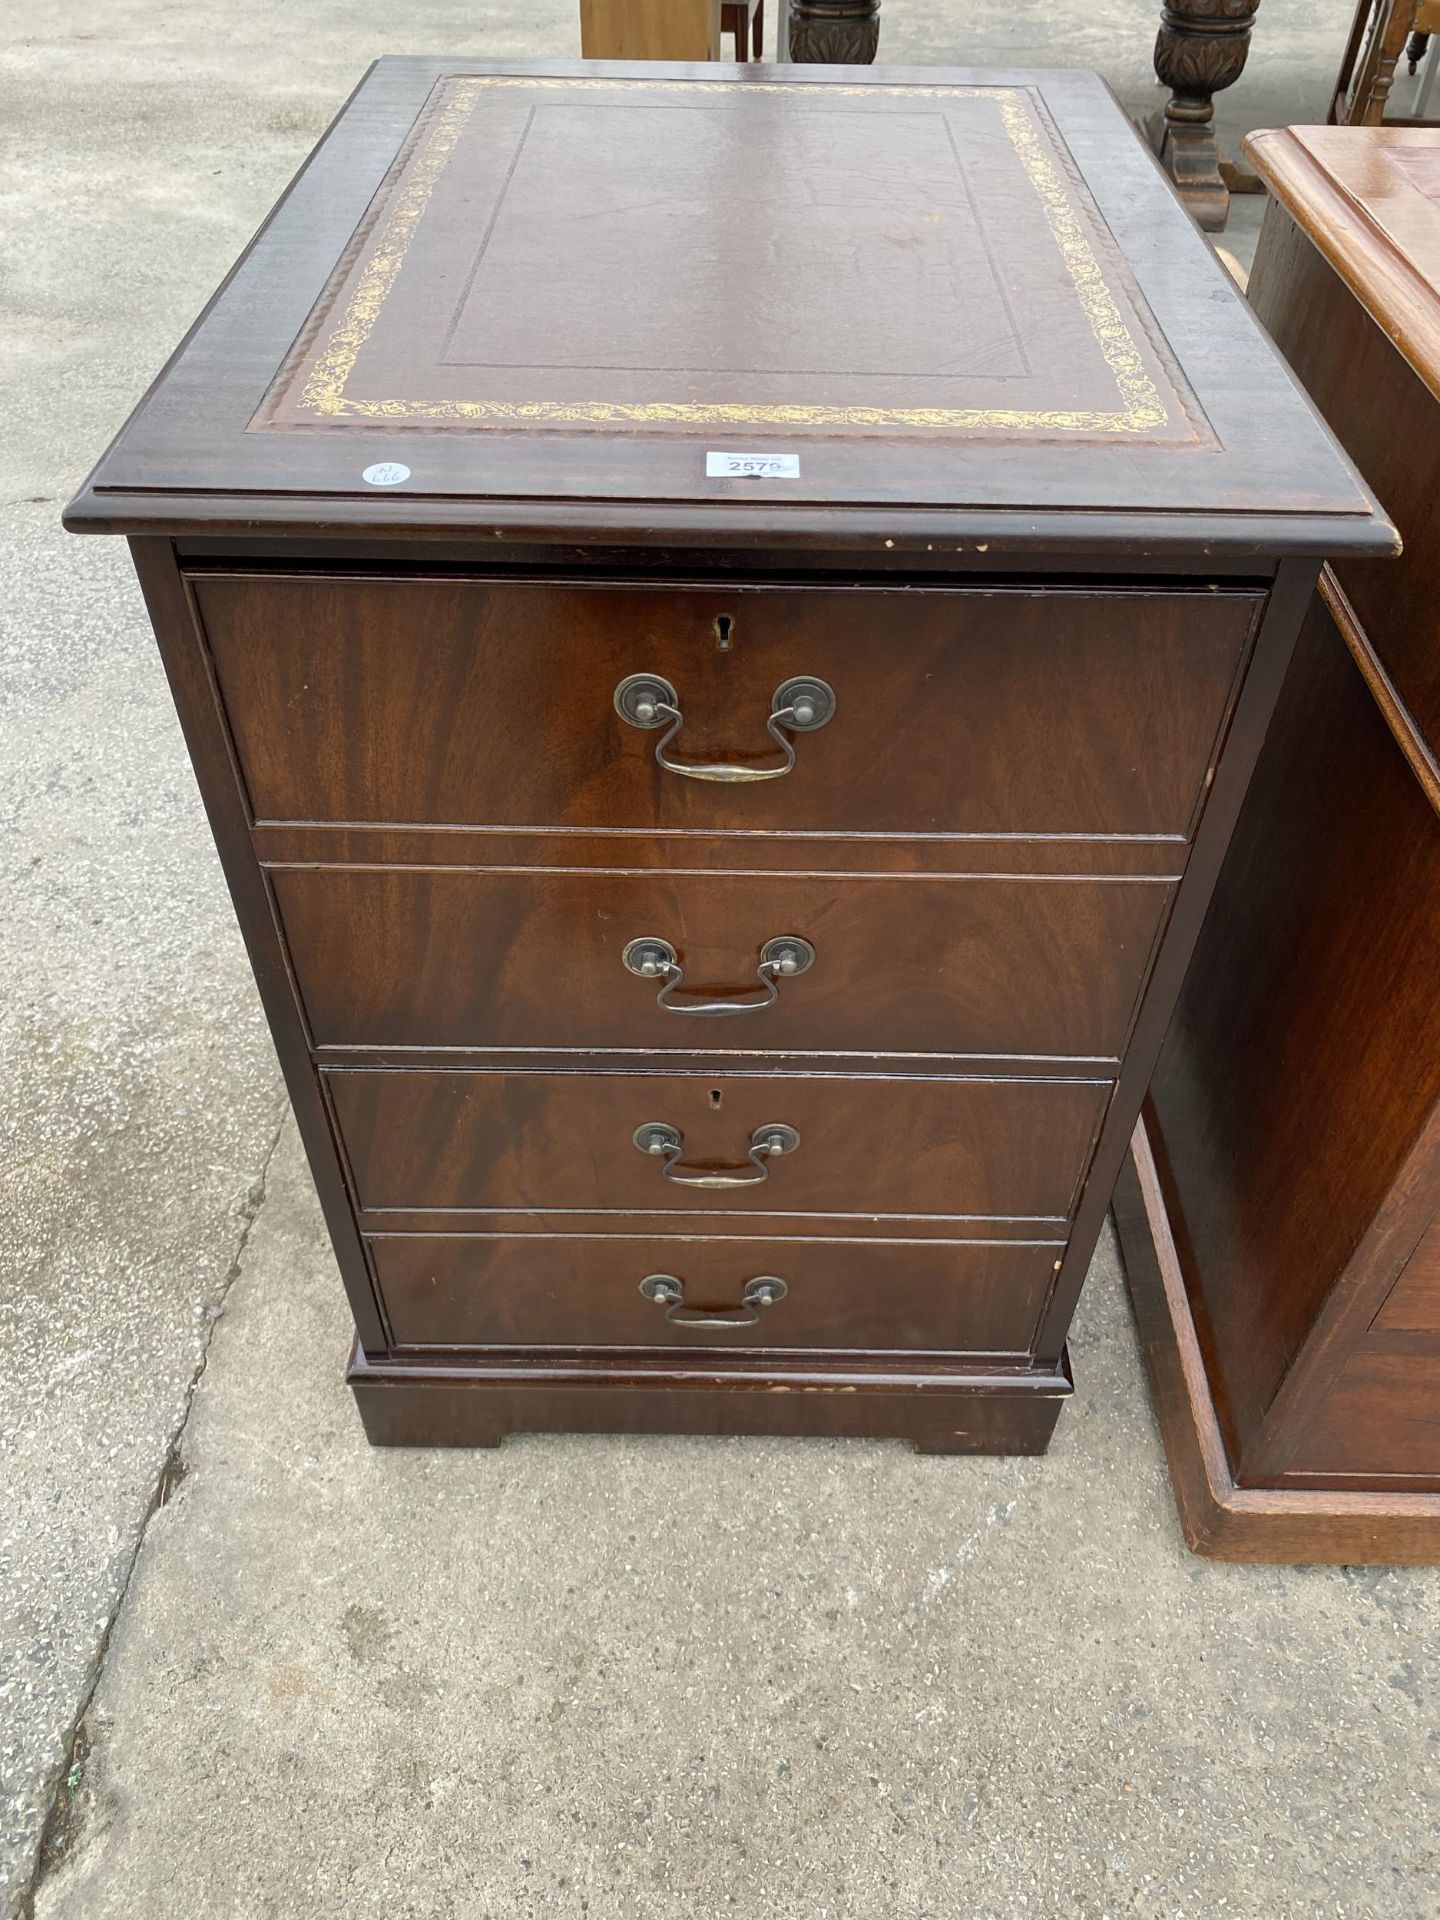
column 715, row 1097
column 724, row 632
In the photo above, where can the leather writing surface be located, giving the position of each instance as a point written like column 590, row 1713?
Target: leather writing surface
column 681, row 255
column 657, row 289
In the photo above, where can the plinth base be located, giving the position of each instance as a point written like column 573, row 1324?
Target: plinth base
column 429, row 1403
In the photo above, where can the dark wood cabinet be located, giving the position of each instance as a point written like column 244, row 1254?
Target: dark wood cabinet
column 721, row 707
column 1280, row 1217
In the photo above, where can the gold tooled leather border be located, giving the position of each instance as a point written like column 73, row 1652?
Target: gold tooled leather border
column 1141, row 408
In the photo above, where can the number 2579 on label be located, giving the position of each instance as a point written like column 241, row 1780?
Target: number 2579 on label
column 752, row 466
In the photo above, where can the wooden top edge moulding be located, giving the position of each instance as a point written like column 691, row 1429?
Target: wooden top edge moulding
column 1369, row 199
column 575, row 286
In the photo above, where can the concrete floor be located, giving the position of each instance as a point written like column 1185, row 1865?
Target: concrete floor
column 641, row 1679
column 617, row 1678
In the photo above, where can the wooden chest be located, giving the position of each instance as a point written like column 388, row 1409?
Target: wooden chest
column 723, row 622
column 1282, row 1226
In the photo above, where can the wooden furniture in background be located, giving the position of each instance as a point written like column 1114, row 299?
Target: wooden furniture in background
column 1281, row 1220
column 745, row 20
column 1200, row 49
column 650, row 29
column 1380, row 32
column 1422, row 54
column 836, row 32
column 721, row 710
column 1427, row 20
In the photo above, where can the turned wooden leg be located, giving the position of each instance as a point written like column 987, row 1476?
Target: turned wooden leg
column 1382, row 57
column 1199, row 50
column 836, row 32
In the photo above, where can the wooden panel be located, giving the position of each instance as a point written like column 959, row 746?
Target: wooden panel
column 1383, row 1415
column 559, row 1141
column 650, row 29
column 453, row 701
column 417, row 958
column 939, row 1409
column 1304, row 1056
column 1414, row 1301
column 546, row 1289
column 1295, row 1521
column 1390, row 255
column 1389, row 420
column 211, row 759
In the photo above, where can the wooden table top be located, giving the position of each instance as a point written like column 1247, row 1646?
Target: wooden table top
column 1369, row 198
column 958, row 303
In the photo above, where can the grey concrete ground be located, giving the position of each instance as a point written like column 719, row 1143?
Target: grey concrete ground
column 651, row 1678
column 749, row 1677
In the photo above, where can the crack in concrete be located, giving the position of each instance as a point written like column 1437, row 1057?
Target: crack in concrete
column 63, row 1825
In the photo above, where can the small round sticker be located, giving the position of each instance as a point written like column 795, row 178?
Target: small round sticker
column 389, row 473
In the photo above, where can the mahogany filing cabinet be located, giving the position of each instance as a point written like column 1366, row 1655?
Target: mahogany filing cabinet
column 722, row 620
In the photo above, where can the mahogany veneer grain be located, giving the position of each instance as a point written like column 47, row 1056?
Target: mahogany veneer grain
column 1057, row 512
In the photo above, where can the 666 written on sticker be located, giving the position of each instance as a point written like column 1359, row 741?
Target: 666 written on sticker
column 752, row 466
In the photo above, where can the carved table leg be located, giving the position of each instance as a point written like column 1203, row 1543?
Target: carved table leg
column 1200, row 49
column 837, row 32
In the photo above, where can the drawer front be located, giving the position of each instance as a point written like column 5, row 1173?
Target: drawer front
column 410, row 957
column 958, row 710
column 563, row 1142
column 578, row 1290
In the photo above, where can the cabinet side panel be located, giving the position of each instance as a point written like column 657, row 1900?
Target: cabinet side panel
column 183, row 653
column 1270, row 657
column 1413, row 1304
column 1304, row 1057
column 1380, row 1423
column 1389, row 423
